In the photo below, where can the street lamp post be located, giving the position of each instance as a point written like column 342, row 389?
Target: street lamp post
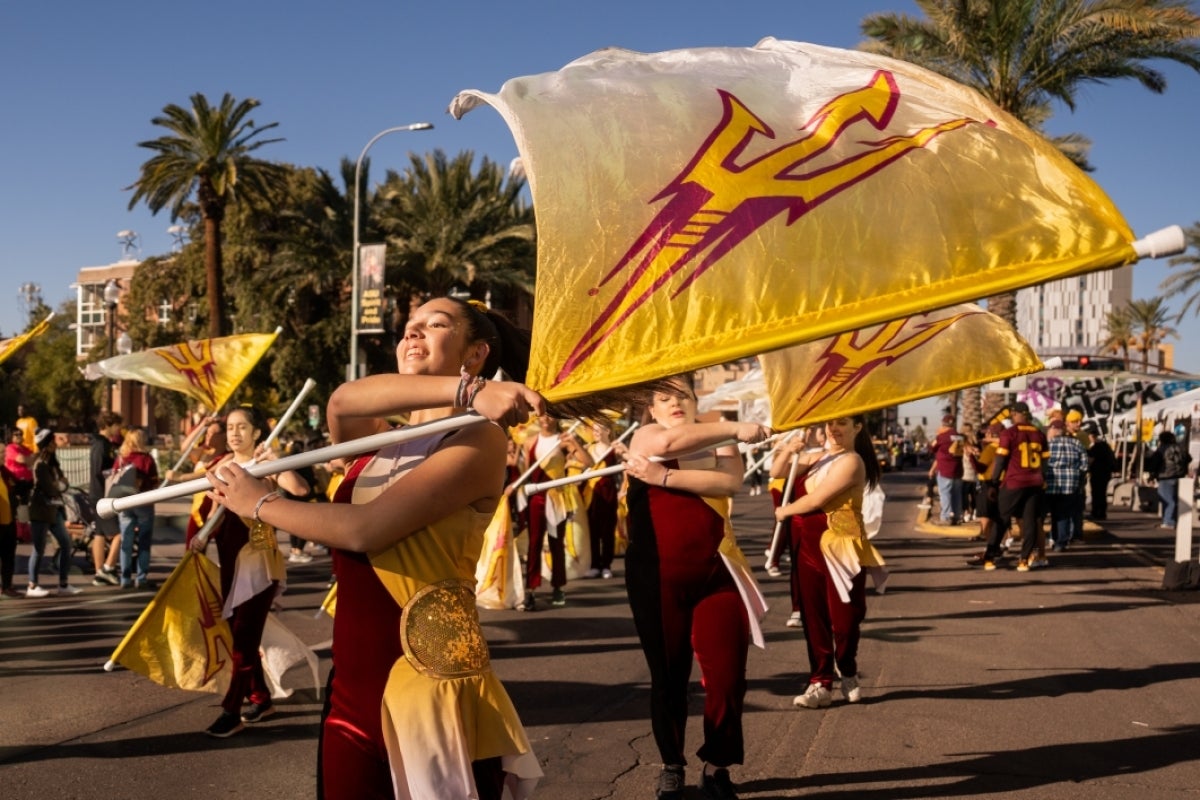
column 112, row 293
column 416, row 126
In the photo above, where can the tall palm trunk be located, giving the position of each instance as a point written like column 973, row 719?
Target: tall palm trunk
column 214, row 276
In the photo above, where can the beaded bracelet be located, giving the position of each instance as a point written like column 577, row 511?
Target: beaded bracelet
column 266, row 498
column 476, row 387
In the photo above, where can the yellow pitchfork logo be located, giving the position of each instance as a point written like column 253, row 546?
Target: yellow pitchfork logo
column 715, row 202
column 846, row 361
column 196, row 365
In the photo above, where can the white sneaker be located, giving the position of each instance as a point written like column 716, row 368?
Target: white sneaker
column 68, row 590
column 794, row 620
column 816, row 696
column 1039, row 563
column 36, row 591
column 606, row 573
column 318, row 550
column 299, row 557
column 592, row 573
column 850, row 689
column 773, row 571
column 1008, row 543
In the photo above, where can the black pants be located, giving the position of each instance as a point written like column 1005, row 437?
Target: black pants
column 1027, row 504
column 1099, row 487
column 8, row 554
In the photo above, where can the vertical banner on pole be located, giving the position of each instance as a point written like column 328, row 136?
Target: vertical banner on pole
column 370, row 283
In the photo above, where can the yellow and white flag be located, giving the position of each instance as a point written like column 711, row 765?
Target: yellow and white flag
column 498, row 575
column 10, row 346
column 207, row 370
column 181, row 641
column 884, row 365
column 698, row 206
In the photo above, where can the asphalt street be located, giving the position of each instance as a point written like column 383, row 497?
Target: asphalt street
column 1080, row 680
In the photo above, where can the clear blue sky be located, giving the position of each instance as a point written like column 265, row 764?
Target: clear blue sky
column 80, row 86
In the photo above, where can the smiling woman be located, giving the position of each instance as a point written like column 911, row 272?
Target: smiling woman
column 411, row 670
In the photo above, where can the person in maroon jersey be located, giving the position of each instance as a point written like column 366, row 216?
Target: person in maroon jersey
column 1017, row 477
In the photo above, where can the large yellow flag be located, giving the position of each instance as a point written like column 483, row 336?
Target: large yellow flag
column 207, row 370
column 899, row 361
column 698, row 206
column 10, row 346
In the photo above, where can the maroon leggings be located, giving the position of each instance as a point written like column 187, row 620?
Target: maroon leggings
column 247, row 625
column 537, row 534
column 831, row 627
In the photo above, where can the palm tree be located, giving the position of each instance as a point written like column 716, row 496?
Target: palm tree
column 206, row 153
column 1187, row 281
column 1118, row 329
column 448, row 224
column 1025, row 55
column 1149, row 321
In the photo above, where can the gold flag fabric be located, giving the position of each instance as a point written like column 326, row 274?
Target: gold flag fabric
column 181, row 640
column 207, row 370
column 698, row 206
column 10, row 346
column 896, row 362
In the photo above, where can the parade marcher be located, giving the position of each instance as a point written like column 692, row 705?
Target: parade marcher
column 252, row 574
column 1017, row 477
column 1102, row 464
column 682, row 574
column 137, row 523
column 600, row 496
column 413, row 708
column 831, row 548
column 47, row 514
column 549, row 512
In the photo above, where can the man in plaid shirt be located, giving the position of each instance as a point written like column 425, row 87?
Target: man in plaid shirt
column 1065, row 468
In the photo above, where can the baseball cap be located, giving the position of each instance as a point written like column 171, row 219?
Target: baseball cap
column 1020, row 408
column 1074, row 414
column 43, row 437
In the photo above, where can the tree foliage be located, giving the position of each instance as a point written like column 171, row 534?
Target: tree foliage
column 206, row 154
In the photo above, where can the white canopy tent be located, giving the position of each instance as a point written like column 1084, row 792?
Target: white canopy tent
column 1185, row 404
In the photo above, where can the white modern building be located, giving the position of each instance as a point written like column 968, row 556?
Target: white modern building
column 1066, row 317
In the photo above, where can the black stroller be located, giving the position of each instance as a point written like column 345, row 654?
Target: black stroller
column 82, row 523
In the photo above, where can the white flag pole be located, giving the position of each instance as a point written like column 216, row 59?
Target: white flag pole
column 111, row 505
column 534, row 488
column 524, row 477
column 787, row 493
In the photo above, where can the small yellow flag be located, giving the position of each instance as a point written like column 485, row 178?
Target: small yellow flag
column 897, row 362
column 10, row 346
column 207, row 370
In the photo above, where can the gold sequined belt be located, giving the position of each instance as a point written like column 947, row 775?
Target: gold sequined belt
column 439, row 631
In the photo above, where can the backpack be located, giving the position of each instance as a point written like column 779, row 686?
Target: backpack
column 121, row 481
column 1173, row 466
